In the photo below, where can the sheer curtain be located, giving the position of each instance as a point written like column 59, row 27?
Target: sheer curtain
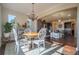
column 35, row 25
column 32, row 25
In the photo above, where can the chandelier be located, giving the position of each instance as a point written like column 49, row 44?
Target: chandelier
column 33, row 15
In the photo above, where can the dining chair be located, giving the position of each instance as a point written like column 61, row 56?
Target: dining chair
column 41, row 38
column 20, row 43
column 20, row 31
column 16, row 40
column 27, row 30
column 25, row 42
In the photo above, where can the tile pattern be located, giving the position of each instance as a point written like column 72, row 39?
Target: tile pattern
column 49, row 50
column 10, row 49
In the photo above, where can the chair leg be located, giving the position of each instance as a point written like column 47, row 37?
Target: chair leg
column 32, row 45
column 28, row 46
column 44, row 44
column 39, row 48
column 17, row 50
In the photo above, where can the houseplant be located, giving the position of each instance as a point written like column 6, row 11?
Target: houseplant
column 7, row 29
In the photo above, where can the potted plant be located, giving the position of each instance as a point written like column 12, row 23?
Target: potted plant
column 7, row 29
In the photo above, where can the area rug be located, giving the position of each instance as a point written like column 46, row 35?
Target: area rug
column 50, row 49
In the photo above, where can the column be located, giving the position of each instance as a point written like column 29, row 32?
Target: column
column 0, row 26
column 78, row 27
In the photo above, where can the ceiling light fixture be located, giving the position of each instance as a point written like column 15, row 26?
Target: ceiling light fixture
column 33, row 15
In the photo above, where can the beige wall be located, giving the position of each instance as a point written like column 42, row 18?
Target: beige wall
column 78, row 27
column 0, row 25
column 20, row 18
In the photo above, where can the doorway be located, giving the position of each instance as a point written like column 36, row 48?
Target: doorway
column 69, row 33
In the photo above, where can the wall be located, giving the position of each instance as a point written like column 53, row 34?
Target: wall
column 20, row 18
column 0, row 26
column 78, row 27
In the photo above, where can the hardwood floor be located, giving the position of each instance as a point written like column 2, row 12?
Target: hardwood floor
column 71, row 41
column 2, row 49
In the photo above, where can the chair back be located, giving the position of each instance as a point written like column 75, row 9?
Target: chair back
column 27, row 30
column 15, row 36
column 42, row 33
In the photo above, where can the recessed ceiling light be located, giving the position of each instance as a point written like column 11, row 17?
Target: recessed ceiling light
column 69, row 15
column 59, row 20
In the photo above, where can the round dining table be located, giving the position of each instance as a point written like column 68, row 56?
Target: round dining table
column 31, row 36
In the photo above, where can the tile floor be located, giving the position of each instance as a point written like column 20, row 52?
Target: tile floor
column 10, row 50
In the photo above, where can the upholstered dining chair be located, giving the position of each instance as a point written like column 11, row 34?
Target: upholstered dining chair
column 27, row 30
column 20, row 43
column 25, row 42
column 26, row 38
column 16, row 40
column 41, row 38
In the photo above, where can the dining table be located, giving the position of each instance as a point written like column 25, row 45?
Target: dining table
column 31, row 36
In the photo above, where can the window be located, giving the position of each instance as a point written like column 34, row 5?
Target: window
column 11, row 18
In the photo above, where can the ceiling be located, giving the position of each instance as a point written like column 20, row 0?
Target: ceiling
column 26, row 8
column 41, row 8
column 70, row 13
